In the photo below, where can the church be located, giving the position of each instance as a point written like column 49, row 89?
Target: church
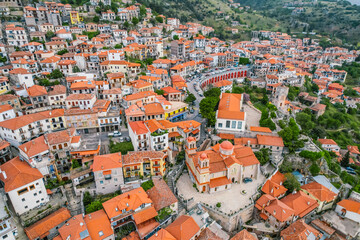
column 221, row 166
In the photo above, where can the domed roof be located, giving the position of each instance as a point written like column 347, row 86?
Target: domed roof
column 203, row 156
column 226, row 145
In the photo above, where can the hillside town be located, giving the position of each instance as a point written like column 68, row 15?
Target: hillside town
column 117, row 122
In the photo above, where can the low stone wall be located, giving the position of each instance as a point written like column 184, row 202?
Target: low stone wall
column 232, row 221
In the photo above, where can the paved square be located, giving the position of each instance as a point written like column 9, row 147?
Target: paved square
column 231, row 200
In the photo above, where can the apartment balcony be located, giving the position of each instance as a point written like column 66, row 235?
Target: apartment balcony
column 156, row 165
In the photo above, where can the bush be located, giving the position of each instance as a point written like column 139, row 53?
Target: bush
column 147, row 185
column 87, row 198
column 75, row 164
column 218, row 205
column 314, row 169
column 122, row 147
column 93, row 207
column 313, row 156
column 291, row 183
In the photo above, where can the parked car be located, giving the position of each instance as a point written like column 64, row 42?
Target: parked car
column 114, row 134
column 121, row 139
column 127, row 139
column 247, row 180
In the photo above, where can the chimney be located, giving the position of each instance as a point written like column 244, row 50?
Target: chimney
column 128, row 196
column 248, row 143
column 4, row 174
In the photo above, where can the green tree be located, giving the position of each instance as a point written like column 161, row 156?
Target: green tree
column 76, row 69
column 87, row 198
column 56, row 74
column 118, row 46
column 135, row 21
column 314, row 169
column 159, row 92
column 62, row 52
column 176, row 37
column 263, row 155
column 190, row 98
column 49, row 35
column 208, row 109
column 244, row 61
column 213, row 92
column 3, row 59
column 291, row 183
column 159, row 19
column 305, row 121
column 96, row 19
column 75, row 164
column 142, row 11
column 345, row 161
column 93, row 207
column 126, row 25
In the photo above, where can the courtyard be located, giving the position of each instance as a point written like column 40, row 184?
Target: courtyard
column 231, row 200
column 252, row 117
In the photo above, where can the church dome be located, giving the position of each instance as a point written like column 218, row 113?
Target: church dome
column 226, row 145
column 203, row 156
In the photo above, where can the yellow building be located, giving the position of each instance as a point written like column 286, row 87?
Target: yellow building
column 4, row 85
column 75, row 17
column 144, row 163
column 176, row 112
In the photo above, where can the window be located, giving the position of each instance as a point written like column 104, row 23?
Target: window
column 32, row 187
column 101, row 233
column 26, row 207
column 37, row 201
column 101, row 182
column 233, row 124
column 228, row 124
column 239, row 125
column 23, row 199
column 39, row 192
column 22, row 191
column 220, row 125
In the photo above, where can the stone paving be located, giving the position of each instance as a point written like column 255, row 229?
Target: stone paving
column 252, row 116
column 231, row 200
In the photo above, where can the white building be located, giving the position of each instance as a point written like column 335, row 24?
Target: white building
column 139, row 135
column 229, row 116
column 108, row 173
column 349, row 209
column 24, row 185
column 6, row 112
column 16, row 36
column 82, row 101
column 329, row 145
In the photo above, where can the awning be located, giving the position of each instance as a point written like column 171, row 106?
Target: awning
column 174, row 134
column 107, row 172
column 195, row 131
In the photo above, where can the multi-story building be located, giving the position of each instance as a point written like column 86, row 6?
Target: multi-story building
column 144, row 163
column 38, row 96
column 229, row 116
column 238, row 163
column 23, row 185
column 5, row 152
column 108, row 173
column 16, row 36
column 57, row 96
column 23, row 128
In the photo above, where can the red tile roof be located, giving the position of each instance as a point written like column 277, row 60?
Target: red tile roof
column 183, row 228
column 18, row 174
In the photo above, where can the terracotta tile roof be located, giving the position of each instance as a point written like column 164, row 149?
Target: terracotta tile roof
column 34, row 147
column 153, row 109
column 299, row 230
column 161, row 195
column 273, row 189
column 57, row 90
column 353, row 149
column 82, row 85
column 7, row 97
column 18, row 174
column 280, row 210
column 5, row 107
column 327, row 141
column 139, row 157
column 270, row 140
column 139, row 95
column 162, row 234
column 144, row 215
column 4, row 144
column 226, row 136
column 323, row 226
column 229, row 106
column 170, row 90
column 222, row 83
column 263, row 201
column 278, row 178
column 106, row 162
column 183, row 228
column 301, row 203
column 73, row 228
column 132, row 236
column 245, row 141
column 80, row 96
column 350, row 205
column 97, row 222
column 41, row 228
column 36, row 90
column 244, row 235
column 21, row 121
column 153, row 125
column 260, row 129
column 19, row 71
column 138, row 127
column 217, row 182
column 129, row 201
column 319, row 191
column 52, row 59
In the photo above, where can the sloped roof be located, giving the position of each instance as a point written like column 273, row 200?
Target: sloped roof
column 183, row 228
